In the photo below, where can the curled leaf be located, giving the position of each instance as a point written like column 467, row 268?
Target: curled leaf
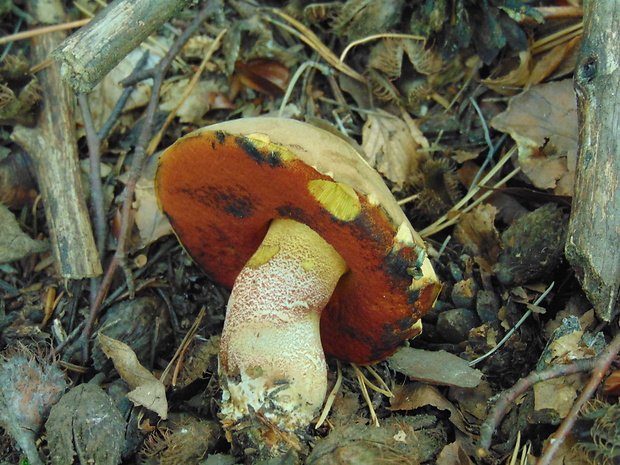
column 147, row 391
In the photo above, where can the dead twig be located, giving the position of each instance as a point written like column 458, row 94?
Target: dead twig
column 188, row 90
column 90, row 53
column 599, row 364
column 94, row 175
column 52, row 145
column 105, row 130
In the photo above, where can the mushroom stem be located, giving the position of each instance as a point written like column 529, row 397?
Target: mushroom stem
column 271, row 357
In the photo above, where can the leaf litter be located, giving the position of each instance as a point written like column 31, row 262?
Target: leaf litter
column 407, row 103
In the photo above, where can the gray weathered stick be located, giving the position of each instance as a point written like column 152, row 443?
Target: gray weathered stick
column 593, row 244
column 91, row 52
column 52, row 145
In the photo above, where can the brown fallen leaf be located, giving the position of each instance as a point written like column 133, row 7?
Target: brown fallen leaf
column 552, row 60
column 513, row 80
column 14, row 243
column 473, row 403
column 543, row 123
column 455, row 453
column 437, row 367
column 205, row 96
column 569, row 453
column 105, row 95
column 150, row 221
column 147, row 391
column 477, row 232
column 390, row 146
column 415, row 395
column 566, row 345
column 533, row 69
column 558, row 394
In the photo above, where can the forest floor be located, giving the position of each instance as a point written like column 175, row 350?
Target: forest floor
column 466, row 109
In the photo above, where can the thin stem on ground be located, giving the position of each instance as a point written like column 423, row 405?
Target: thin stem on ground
column 599, row 365
column 158, row 74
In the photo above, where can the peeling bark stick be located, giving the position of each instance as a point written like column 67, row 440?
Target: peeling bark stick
column 52, row 145
column 91, row 52
column 593, row 244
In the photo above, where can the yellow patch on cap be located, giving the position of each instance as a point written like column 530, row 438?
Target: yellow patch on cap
column 263, row 142
column 337, row 198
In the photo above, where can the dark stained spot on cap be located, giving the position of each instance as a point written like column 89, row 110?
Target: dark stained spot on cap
column 271, row 158
column 397, row 265
column 392, row 336
column 239, row 207
column 235, row 201
column 412, row 297
column 221, row 136
column 293, row 213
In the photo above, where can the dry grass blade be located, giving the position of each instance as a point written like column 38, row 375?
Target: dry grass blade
column 291, row 85
column 453, row 215
column 190, row 87
column 513, row 329
column 311, row 39
column 330, row 399
column 385, row 390
column 43, row 30
column 521, row 459
column 362, row 380
column 183, row 348
column 364, row 40
column 552, row 40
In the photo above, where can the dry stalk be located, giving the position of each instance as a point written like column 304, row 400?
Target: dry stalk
column 454, row 214
column 311, row 39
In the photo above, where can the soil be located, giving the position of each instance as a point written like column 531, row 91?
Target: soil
column 445, row 122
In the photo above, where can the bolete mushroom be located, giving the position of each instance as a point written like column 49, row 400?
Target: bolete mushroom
column 319, row 256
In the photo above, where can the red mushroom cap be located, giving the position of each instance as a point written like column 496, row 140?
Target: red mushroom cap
column 222, row 185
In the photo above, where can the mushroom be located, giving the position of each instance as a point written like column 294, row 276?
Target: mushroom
column 319, row 256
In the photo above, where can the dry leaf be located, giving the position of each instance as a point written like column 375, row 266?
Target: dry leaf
column 150, row 221
column 261, row 74
column 477, row 232
column 105, row 95
column 14, row 243
column 473, row 402
column 147, row 391
column 532, row 70
column 550, row 61
column 390, row 146
column 568, row 453
column 543, row 123
column 611, row 386
column 454, row 453
column 203, row 97
column 558, row 394
column 515, row 79
column 436, row 367
column 416, row 395
column 565, row 346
